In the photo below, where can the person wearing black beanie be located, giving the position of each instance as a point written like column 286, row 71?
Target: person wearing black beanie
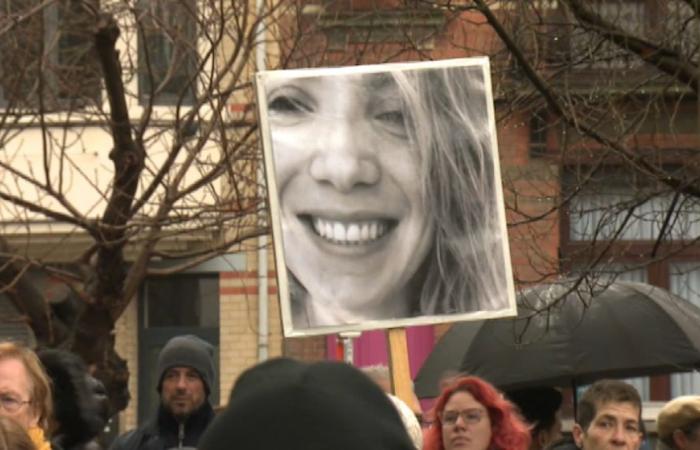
column 539, row 406
column 291, row 405
column 185, row 376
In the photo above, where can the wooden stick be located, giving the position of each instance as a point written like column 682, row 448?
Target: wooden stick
column 401, row 383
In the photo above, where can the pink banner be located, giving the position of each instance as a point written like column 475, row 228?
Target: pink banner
column 371, row 349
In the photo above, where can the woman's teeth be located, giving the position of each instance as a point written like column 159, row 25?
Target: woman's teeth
column 350, row 233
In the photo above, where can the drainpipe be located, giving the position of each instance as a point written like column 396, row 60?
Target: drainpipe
column 263, row 299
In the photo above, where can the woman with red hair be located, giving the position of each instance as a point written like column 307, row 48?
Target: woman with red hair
column 471, row 414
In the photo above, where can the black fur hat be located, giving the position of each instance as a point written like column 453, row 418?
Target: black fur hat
column 78, row 413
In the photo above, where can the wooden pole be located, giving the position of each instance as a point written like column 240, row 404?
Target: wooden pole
column 401, row 383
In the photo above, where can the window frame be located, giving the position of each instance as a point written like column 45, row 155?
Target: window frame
column 187, row 95
column 632, row 252
column 51, row 25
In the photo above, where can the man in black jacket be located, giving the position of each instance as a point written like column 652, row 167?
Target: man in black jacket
column 186, row 374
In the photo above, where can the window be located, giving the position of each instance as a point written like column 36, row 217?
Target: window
column 377, row 22
column 585, row 48
column 167, row 51
column 538, row 134
column 615, row 204
column 47, row 60
column 183, row 301
column 685, row 282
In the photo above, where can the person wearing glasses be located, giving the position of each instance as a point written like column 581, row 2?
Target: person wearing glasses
column 25, row 392
column 471, row 414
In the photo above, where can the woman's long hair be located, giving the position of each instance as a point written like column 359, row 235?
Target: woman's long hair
column 508, row 430
column 448, row 125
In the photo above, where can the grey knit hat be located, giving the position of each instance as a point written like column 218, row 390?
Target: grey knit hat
column 188, row 351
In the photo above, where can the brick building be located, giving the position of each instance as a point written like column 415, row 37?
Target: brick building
column 541, row 161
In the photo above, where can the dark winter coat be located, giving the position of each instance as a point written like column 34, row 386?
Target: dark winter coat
column 165, row 432
column 563, row 444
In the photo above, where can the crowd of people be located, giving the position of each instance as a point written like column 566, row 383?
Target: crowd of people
column 49, row 401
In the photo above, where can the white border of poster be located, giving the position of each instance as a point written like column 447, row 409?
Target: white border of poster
column 385, row 195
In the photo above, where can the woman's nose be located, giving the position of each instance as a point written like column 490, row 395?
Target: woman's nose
column 343, row 158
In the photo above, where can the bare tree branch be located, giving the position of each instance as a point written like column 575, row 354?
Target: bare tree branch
column 636, row 160
column 664, row 59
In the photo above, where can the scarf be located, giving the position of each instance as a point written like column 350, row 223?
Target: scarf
column 36, row 434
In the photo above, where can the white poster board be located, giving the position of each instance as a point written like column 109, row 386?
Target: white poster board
column 385, row 195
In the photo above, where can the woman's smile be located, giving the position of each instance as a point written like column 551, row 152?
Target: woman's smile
column 350, row 233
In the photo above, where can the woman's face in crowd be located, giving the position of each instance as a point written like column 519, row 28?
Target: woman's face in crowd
column 354, row 227
column 15, row 392
column 466, row 424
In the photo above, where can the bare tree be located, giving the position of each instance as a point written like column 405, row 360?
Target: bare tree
column 609, row 92
column 156, row 95
column 126, row 136
column 597, row 105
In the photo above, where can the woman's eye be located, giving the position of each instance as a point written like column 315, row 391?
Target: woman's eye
column 285, row 104
column 394, row 121
column 391, row 117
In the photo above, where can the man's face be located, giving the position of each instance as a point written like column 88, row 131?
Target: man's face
column 15, row 393
column 182, row 391
column 615, row 426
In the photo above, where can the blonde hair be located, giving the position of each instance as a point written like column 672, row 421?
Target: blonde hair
column 40, row 385
column 449, row 127
column 13, row 436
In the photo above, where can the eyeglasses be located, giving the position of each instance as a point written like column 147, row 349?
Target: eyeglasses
column 469, row 417
column 11, row 404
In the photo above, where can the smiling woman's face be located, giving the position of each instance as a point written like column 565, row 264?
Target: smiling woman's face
column 354, row 226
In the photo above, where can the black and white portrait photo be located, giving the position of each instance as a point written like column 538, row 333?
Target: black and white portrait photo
column 385, row 195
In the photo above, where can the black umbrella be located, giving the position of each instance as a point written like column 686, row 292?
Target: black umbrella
column 572, row 333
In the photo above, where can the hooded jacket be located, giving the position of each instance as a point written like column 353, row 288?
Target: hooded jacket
column 287, row 404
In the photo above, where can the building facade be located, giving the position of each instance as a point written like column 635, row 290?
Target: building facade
column 574, row 203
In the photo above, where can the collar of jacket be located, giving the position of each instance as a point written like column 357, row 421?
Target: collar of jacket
column 168, row 427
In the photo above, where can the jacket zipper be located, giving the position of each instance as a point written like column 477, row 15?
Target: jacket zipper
column 180, row 434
